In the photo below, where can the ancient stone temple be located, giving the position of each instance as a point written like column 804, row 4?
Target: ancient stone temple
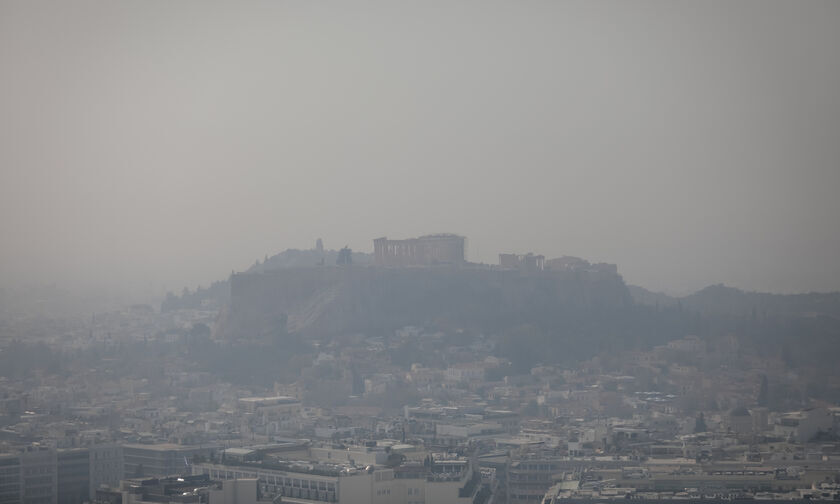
column 430, row 250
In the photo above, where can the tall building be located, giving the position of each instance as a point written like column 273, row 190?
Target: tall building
column 39, row 476
column 73, row 476
column 106, row 467
column 9, row 478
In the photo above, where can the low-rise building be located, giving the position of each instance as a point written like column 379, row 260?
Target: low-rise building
column 183, row 489
column 141, row 460
column 440, row 480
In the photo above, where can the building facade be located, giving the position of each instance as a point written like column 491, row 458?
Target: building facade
column 41, row 475
column 444, row 482
column 160, row 459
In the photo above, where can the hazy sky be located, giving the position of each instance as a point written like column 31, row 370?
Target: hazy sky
column 154, row 144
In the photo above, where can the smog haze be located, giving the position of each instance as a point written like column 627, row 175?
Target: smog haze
column 154, row 145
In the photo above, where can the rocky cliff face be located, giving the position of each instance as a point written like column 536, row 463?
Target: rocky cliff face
column 334, row 300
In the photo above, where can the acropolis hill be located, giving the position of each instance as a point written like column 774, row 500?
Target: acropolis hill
column 415, row 282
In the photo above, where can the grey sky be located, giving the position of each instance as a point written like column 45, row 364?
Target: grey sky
column 157, row 144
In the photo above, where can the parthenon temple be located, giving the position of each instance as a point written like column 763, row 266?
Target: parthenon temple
column 437, row 249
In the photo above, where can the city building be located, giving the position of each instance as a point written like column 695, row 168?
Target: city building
column 163, row 459
column 182, row 489
column 41, row 475
column 442, row 479
column 106, row 466
column 73, row 476
column 10, row 491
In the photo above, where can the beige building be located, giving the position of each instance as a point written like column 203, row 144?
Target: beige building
column 445, row 481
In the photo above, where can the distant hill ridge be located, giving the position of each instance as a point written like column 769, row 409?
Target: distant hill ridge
column 729, row 301
column 534, row 316
column 717, row 299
